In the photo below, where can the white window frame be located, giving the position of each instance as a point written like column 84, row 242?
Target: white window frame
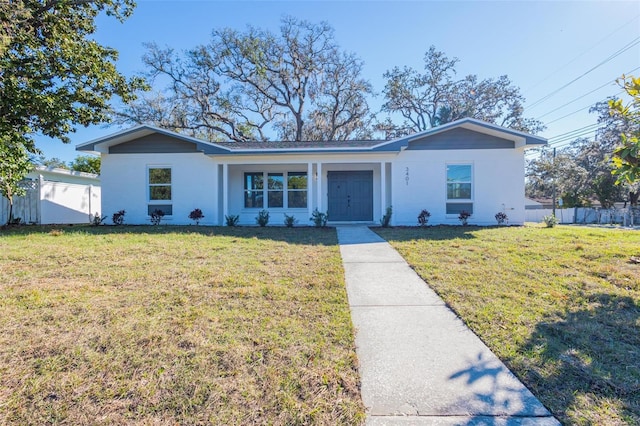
column 265, row 189
column 151, row 202
column 459, row 200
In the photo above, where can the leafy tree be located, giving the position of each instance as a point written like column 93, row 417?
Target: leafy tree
column 626, row 157
column 14, row 166
column 584, row 168
column 86, row 163
column 244, row 85
column 435, row 97
column 54, row 162
column 53, row 76
column 546, row 171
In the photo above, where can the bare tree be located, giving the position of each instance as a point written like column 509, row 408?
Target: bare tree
column 435, row 97
column 248, row 85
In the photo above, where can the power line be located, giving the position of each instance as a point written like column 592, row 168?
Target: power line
column 582, row 54
column 623, row 49
column 582, row 109
column 586, row 94
column 570, row 134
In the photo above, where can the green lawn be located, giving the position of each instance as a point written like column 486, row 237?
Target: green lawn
column 175, row 325
column 561, row 307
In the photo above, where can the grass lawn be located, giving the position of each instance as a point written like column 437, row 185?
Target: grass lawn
column 175, row 325
column 561, row 307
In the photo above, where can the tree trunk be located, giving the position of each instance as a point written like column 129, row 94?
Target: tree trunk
column 10, row 218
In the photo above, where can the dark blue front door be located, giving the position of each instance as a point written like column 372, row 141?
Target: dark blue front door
column 350, row 196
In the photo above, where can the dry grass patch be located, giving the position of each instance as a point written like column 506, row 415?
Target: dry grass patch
column 560, row 306
column 169, row 325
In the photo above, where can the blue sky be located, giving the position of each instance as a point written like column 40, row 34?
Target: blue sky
column 542, row 45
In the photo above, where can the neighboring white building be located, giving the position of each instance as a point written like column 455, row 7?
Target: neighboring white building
column 465, row 165
column 55, row 196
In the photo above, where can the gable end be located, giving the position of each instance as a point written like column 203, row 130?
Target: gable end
column 156, row 144
column 459, row 138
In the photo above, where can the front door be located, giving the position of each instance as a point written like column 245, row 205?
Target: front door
column 350, row 196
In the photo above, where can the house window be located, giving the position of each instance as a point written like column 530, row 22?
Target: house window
column 253, row 190
column 294, row 195
column 297, row 190
column 275, row 190
column 459, row 188
column 160, row 189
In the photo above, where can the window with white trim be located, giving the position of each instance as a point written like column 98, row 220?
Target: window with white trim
column 459, row 188
column 283, row 189
column 160, row 197
column 254, row 190
column 297, row 190
column 275, row 190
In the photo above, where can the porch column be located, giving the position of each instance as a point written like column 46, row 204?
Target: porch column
column 225, row 191
column 310, row 188
column 383, row 189
column 319, row 186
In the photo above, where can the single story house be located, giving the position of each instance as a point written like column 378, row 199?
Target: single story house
column 467, row 165
column 55, row 196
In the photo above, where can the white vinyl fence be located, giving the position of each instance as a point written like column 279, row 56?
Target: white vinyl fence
column 48, row 202
column 629, row 216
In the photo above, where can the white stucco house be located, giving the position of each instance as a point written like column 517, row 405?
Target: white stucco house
column 464, row 165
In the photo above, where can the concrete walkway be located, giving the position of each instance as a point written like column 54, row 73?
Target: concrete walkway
column 419, row 364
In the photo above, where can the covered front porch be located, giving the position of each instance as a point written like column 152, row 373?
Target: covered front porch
column 348, row 190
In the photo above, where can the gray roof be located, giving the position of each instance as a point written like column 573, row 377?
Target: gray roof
column 250, row 148
column 298, row 145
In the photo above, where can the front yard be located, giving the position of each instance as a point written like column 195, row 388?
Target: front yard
column 560, row 306
column 167, row 325
column 188, row 325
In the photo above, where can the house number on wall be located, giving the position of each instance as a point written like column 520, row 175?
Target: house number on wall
column 406, row 175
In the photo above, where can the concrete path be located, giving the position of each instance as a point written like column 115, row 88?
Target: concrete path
column 419, row 364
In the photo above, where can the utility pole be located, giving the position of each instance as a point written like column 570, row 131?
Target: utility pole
column 554, row 181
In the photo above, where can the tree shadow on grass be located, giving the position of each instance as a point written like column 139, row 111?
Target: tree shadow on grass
column 592, row 354
column 297, row 235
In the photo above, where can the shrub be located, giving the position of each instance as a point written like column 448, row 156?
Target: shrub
column 263, row 218
column 463, row 217
column 196, row 215
column 289, row 221
column 550, row 221
column 232, row 219
column 386, row 219
column 156, row 216
column 502, row 218
column 96, row 220
column 118, row 217
column 423, row 217
column 319, row 219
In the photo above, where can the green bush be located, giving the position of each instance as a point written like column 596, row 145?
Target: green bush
column 550, row 221
column 289, row 221
column 386, row 219
column 263, row 218
column 319, row 219
column 232, row 219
